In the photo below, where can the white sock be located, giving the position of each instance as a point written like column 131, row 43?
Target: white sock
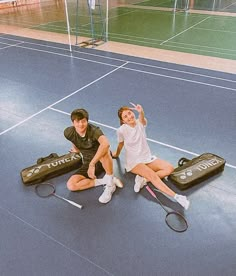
column 99, row 182
column 108, row 179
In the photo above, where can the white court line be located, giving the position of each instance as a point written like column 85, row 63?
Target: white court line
column 66, row 55
column 148, row 65
column 90, row 54
column 54, row 240
column 149, row 139
column 214, row 30
column 136, row 37
column 168, row 45
column 202, row 50
column 9, row 45
column 178, row 78
column 154, row 42
column 181, row 71
column 204, row 46
column 136, row 70
column 71, row 94
column 160, row 67
column 94, row 122
column 185, row 30
column 120, row 15
column 38, row 44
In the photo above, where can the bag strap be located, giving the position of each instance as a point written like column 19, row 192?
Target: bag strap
column 50, row 156
column 182, row 161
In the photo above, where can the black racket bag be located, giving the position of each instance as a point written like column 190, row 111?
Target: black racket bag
column 50, row 166
column 191, row 172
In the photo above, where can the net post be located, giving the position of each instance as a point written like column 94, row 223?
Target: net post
column 184, row 8
column 187, row 5
column 107, row 18
column 175, row 4
column 68, row 25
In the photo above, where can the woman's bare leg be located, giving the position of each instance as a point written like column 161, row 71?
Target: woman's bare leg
column 150, row 175
column 161, row 167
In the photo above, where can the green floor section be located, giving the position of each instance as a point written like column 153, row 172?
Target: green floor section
column 136, row 22
column 157, row 3
column 184, row 32
column 210, row 5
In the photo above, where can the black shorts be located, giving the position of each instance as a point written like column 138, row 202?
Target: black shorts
column 83, row 170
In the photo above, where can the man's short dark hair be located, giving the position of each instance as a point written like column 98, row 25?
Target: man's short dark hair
column 79, row 114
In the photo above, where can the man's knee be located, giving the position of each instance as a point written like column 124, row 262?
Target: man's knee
column 73, row 183
column 107, row 162
column 71, row 186
column 106, row 157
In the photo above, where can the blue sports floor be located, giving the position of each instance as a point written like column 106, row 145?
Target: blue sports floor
column 190, row 111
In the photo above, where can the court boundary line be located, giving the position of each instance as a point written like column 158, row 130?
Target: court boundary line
column 62, row 99
column 181, row 71
column 214, row 30
column 135, row 38
column 149, row 139
column 227, row 51
column 180, row 79
column 202, row 50
column 53, row 239
column 112, row 58
column 9, row 45
column 150, row 41
column 168, row 45
column 185, row 30
column 141, row 71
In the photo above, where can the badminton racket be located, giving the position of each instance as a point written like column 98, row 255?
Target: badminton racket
column 173, row 219
column 46, row 190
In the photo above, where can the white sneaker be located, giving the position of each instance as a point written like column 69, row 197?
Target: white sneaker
column 117, row 182
column 140, row 182
column 183, row 201
column 107, row 194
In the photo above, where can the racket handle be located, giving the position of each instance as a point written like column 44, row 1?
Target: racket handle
column 75, row 204
column 69, row 201
column 150, row 191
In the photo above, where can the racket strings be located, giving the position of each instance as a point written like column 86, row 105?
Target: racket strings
column 44, row 189
column 176, row 222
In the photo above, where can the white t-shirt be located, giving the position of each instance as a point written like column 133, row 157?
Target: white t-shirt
column 135, row 144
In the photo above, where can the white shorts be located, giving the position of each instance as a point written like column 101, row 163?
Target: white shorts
column 131, row 166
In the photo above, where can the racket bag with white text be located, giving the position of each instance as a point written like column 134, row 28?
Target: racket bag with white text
column 50, row 166
column 191, row 172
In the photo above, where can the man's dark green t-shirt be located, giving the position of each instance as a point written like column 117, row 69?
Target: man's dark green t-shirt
column 87, row 144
